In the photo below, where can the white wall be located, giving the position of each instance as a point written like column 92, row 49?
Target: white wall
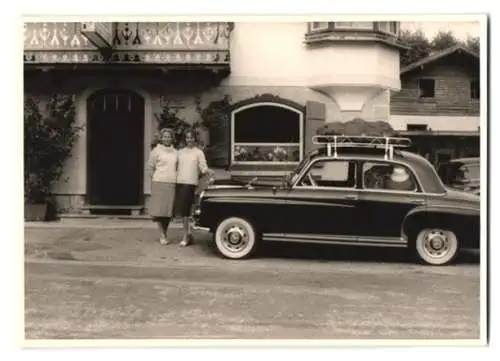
column 268, row 54
column 276, row 54
column 354, row 64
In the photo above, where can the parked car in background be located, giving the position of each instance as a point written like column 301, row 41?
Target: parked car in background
column 359, row 191
column 462, row 174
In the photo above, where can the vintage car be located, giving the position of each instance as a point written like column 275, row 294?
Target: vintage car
column 360, row 191
column 462, row 174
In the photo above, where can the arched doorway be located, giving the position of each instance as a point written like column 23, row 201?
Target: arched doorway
column 115, row 148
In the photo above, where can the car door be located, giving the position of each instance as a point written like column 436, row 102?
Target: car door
column 388, row 191
column 322, row 204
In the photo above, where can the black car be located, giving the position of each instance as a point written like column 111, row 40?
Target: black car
column 461, row 173
column 361, row 191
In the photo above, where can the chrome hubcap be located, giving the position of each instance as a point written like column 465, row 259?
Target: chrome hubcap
column 235, row 238
column 436, row 243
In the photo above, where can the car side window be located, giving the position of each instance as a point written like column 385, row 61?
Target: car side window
column 330, row 173
column 387, row 176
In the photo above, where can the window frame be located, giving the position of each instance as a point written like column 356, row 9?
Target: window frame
column 372, row 27
column 417, row 127
column 421, row 96
column 312, row 29
column 390, row 24
column 305, row 171
column 418, row 186
column 233, row 142
column 475, row 91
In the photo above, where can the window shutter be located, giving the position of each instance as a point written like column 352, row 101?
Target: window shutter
column 220, row 145
column 315, row 119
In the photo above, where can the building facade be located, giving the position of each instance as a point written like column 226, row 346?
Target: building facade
column 439, row 105
column 282, row 81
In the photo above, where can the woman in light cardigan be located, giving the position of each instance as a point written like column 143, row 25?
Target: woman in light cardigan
column 191, row 166
column 163, row 171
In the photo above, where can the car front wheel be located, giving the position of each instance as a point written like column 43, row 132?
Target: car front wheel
column 235, row 238
column 436, row 247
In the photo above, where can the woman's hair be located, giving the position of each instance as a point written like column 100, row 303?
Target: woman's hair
column 193, row 134
column 159, row 135
column 167, row 130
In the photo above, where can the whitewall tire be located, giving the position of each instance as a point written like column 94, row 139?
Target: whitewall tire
column 235, row 238
column 436, row 247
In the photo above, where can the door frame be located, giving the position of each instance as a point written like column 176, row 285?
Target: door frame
column 344, row 199
column 80, row 150
column 141, row 117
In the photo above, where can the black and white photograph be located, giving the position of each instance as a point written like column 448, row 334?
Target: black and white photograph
column 243, row 178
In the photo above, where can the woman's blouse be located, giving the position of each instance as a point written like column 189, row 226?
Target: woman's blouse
column 163, row 163
column 191, row 165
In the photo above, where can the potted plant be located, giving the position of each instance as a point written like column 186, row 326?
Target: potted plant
column 48, row 142
column 213, row 128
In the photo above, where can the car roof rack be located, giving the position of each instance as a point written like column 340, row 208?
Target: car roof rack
column 361, row 141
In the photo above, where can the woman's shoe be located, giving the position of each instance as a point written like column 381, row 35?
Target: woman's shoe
column 186, row 240
column 164, row 241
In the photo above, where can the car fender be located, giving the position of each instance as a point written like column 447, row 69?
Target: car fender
column 437, row 213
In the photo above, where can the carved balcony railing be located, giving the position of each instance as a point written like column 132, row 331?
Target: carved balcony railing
column 132, row 42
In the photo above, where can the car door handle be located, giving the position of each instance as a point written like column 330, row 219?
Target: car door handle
column 416, row 201
column 351, row 196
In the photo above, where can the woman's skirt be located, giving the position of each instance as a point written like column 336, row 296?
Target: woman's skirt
column 184, row 199
column 162, row 200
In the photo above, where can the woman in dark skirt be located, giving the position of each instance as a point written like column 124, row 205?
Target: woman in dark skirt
column 163, row 170
column 191, row 166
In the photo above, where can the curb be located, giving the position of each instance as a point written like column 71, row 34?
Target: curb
column 99, row 225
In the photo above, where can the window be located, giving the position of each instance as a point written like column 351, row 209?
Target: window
column 388, row 27
column 416, row 127
column 388, row 176
column 330, row 173
column 364, row 25
column 319, row 26
column 266, row 133
column 427, row 88
column 474, row 89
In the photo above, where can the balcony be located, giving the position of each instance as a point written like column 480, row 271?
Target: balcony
column 384, row 32
column 169, row 43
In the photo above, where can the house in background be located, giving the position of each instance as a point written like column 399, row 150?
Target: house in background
column 285, row 80
column 438, row 105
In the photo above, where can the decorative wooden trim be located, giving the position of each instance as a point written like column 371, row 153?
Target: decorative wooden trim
column 137, row 42
column 268, row 98
column 126, row 57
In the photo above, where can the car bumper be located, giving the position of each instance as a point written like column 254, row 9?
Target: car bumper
column 196, row 218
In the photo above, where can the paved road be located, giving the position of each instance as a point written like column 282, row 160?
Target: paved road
column 149, row 291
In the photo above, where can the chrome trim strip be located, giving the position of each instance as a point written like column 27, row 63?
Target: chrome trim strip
column 324, row 204
column 268, row 200
column 338, row 237
column 197, row 228
column 304, row 240
column 431, row 206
